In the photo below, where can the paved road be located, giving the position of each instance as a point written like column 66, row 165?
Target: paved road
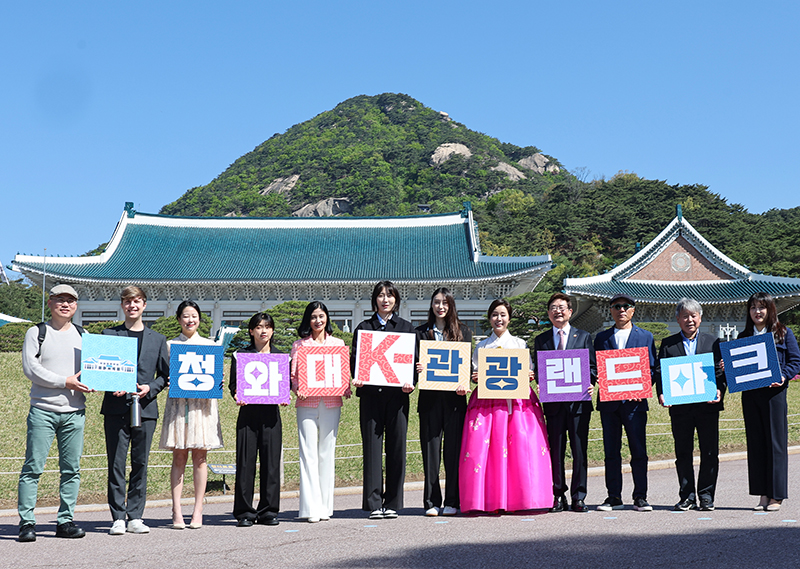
column 732, row 536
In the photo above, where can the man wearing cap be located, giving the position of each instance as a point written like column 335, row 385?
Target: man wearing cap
column 631, row 413
column 57, row 411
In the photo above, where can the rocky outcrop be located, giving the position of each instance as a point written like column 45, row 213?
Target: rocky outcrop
column 281, row 185
column 443, row 153
column 325, row 208
column 539, row 164
column 511, row 173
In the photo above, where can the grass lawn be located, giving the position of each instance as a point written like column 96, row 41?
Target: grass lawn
column 14, row 395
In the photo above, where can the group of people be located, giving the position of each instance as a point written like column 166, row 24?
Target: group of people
column 500, row 455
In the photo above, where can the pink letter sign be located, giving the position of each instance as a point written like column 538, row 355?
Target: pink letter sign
column 385, row 358
column 262, row 379
column 624, row 374
column 322, row 370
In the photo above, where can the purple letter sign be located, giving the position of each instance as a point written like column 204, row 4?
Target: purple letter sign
column 262, row 378
column 563, row 375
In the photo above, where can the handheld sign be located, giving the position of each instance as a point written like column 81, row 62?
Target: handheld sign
column 108, row 363
column 688, row 379
column 503, row 374
column 624, row 374
column 564, row 375
column 385, row 358
column 750, row 362
column 262, row 379
column 446, row 365
column 322, row 371
column 195, row 372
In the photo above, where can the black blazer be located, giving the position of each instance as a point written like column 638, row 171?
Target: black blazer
column 395, row 324
column 152, row 369
column 578, row 340
column 427, row 398
column 672, row 347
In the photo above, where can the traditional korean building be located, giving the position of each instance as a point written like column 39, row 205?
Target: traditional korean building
column 679, row 262
column 233, row 267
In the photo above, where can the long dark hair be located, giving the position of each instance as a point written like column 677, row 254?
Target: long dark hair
column 391, row 289
column 452, row 325
column 257, row 319
column 772, row 323
column 304, row 330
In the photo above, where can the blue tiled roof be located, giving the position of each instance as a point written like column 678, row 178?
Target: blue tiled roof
column 165, row 249
column 709, row 292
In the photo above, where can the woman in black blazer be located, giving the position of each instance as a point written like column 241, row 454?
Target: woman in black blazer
column 258, row 435
column 765, row 409
column 383, row 410
column 441, row 412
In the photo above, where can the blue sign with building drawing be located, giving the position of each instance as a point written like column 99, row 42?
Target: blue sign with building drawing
column 750, row 362
column 108, row 363
column 195, row 372
column 688, row 379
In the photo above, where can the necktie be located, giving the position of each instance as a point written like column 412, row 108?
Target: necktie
column 562, row 340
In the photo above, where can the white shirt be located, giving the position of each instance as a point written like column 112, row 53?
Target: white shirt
column 557, row 338
column 621, row 337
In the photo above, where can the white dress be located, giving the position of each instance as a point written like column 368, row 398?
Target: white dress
column 191, row 423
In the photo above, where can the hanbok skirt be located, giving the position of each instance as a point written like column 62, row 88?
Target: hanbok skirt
column 190, row 423
column 505, row 457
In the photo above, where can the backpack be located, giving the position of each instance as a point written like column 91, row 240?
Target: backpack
column 42, row 326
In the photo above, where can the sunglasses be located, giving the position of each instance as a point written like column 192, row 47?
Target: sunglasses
column 621, row 306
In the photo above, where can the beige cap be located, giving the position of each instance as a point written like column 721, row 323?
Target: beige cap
column 63, row 289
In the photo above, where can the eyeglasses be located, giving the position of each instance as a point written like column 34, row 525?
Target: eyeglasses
column 621, row 306
column 65, row 300
column 562, row 308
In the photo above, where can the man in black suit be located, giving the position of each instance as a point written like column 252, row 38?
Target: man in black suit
column 151, row 378
column 704, row 417
column 567, row 418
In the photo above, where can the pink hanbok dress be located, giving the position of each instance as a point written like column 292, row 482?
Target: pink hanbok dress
column 505, row 457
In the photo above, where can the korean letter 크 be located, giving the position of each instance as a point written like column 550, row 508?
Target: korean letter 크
column 446, row 365
column 750, row 362
column 262, row 379
column 195, row 372
column 503, row 374
column 624, row 374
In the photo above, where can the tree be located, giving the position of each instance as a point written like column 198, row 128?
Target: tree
column 22, row 300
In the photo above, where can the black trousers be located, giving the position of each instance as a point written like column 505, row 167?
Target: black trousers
column 441, row 413
column 562, row 422
column 684, row 424
column 258, row 435
column 383, row 412
column 767, row 432
column 119, row 437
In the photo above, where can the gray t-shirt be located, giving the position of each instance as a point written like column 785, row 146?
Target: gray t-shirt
column 60, row 358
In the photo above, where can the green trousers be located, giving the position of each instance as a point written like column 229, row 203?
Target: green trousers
column 67, row 429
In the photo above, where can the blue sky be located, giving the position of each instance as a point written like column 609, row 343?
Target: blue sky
column 107, row 102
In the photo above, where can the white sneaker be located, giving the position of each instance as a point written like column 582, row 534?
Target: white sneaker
column 432, row 512
column 137, row 526
column 389, row 514
column 117, row 528
column 449, row 511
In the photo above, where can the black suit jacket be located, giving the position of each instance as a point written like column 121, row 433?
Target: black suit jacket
column 395, row 324
column 428, row 397
column 672, row 347
column 152, row 369
column 578, row 340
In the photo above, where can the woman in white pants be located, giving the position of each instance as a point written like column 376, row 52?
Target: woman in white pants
column 317, row 423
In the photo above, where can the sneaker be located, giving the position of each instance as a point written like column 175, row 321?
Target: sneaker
column 117, row 528
column 376, row 515
column 389, row 514
column 706, row 505
column 684, row 506
column 27, row 533
column 449, row 511
column 610, row 504
column 137, row 526
column 69, row 530
column 431, row 512
column 641, row 505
